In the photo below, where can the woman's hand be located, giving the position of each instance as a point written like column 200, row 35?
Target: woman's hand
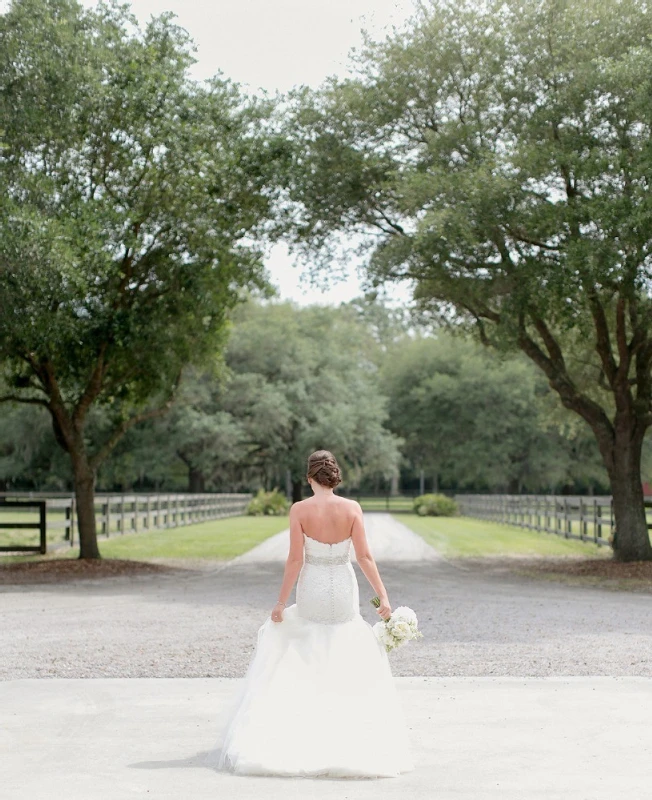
column 384, row 609
column 277, row 612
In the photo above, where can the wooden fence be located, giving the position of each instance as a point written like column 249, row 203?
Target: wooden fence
column 120, row 513
column 39, row 525
column 589, row 519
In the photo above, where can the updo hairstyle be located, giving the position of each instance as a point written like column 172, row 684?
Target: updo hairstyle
column 323, row 468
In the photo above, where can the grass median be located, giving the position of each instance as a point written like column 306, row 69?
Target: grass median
column 494, row 548
column 459, row 537
column 220, row 539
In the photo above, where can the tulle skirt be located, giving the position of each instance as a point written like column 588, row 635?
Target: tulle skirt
column 317, row 700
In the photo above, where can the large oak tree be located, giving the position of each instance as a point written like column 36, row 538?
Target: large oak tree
column 130, row 201
column 498, row 153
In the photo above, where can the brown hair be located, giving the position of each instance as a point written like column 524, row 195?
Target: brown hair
column 323, row 468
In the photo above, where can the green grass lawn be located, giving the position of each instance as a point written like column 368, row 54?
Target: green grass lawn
column 217, row 539
column 465, row 536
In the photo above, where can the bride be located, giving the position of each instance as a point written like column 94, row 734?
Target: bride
column 318, row 698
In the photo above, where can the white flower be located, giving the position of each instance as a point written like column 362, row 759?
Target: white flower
column 384, row 636
column 405, row 613
column 401, row 627
column 402, row 630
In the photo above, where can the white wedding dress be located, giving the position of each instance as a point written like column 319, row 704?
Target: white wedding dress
column 318, row 698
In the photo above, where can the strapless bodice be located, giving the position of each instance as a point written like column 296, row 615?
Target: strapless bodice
column 327, row 553
column 327, row 589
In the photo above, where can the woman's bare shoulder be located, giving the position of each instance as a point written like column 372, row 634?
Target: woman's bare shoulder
column 349, row 508
column 353, row 504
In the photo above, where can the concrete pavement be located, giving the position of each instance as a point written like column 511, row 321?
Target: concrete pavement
column 473, row 739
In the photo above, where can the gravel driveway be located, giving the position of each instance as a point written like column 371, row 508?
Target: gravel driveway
column 202, row 622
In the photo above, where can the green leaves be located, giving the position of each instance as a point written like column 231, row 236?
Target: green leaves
column 305, row 379
column 482, row 422
column 500, row 158
column 133, row 201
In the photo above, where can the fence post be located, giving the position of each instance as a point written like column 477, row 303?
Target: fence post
column 41, row 525
column 122, row 513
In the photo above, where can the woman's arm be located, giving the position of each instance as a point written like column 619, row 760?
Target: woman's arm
column 294, row 560
column 367, row 562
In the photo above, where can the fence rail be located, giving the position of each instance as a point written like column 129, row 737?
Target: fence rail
column 589, row 519
column 20, row 506
column 120, row 513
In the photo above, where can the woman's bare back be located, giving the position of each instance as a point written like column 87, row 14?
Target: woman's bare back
column 327, row 519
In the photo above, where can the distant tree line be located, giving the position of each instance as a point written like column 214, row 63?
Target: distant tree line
column 356, row 379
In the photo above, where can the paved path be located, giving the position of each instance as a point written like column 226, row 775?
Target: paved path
column 203, row 623
column 389, row 540
column 472, row 739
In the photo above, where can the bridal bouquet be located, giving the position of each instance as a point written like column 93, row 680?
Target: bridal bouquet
column 401, row 626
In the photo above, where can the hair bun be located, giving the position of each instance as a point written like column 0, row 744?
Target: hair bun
column 323, row 468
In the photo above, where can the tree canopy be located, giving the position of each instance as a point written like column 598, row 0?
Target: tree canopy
column 131, row 203
column 498, row 154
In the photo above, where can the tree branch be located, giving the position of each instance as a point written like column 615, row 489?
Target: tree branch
column 124, row 426
column 552, row 346
column 14, row 398
column 93, row 389
column 603, row 340
column 622, row 389
column 643, row 364
column 555, row 370
column 529, row 240
column 394, row 226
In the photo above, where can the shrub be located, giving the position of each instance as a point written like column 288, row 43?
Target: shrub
column 272, row 503
column 435, row 505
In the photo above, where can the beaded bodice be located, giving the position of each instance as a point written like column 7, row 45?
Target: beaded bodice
column 316, row 552
column 327, row 589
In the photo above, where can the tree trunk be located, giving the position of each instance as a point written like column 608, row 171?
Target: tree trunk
column 196, row 481
column 297, row 491
column 85, row 500
column 631, row 537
